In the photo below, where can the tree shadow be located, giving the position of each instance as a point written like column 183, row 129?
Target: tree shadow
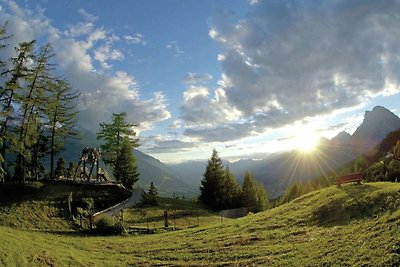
column 356, row 204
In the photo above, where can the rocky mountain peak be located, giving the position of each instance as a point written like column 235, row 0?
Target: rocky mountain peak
column 376, row 125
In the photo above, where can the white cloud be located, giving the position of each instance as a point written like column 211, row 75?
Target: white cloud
column 174, row 47
column 87, row 16
column 288, row 60
column 101, row 93
column 137, row 38
column 104, row 53
column 200, row 110
column 196, row 78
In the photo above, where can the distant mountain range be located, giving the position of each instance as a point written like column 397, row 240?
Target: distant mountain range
column 278, row 170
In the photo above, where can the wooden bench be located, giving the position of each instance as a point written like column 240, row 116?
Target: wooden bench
column 351, row 178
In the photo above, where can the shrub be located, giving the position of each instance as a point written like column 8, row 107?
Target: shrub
column 106, row 225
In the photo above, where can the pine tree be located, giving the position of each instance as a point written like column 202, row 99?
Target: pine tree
column 231, row 191
column 125, row 169
column 152, row 190
column 249, row 190
column 112, row 134
column 60, row 168
column 61, row 114
column 71, row 169
column 262, row 198
column 212, row 182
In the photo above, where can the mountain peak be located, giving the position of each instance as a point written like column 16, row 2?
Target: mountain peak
column 376, row 125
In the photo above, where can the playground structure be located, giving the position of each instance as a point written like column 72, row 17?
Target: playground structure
column 90, row 156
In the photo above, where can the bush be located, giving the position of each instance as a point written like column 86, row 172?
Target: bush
column 149, row 200
column 106, row 225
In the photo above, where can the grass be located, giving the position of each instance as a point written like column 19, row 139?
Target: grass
column 43, row 205
column 349, row 226
column 181, row 214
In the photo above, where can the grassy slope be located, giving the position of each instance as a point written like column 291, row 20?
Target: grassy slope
column 43, row 206
column 182, row 214
column 352, row 225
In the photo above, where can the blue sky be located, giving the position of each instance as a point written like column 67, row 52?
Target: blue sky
column 241, row 76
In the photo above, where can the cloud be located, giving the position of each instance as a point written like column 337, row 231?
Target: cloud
column 337, row 126
column 196, row 78
column 102, row 93
column 175, row 124
column 200, row 110
column 87, row 16
column 174, row 47
column 220, row 133
column 137, row 38
column 84, row 27
column 166, row 146
column 288, row 60
column 104, row 53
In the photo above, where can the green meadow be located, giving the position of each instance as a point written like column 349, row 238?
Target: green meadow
column 352, row 225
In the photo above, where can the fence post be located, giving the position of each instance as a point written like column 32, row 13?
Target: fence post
column 165, row 218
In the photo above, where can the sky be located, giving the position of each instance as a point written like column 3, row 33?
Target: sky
column 242, row 76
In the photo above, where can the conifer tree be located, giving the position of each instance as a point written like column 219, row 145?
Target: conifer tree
column 11, row 91
column 32, row 99
column 152, row 190
column 262, row 198
column 71, row 169
column 249, row 190
column 231, row 191
column 125, row 169
column 60, row 168
column 212, row 182
column 62, row 115
column 112, row 134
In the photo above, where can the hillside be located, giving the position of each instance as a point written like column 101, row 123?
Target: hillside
column 43, row 205
column 351, row 225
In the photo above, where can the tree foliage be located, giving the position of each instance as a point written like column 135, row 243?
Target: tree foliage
column 31, row 121
column 125, row 169
column 60, row 111
column 152, row 190
column 220, row 189
column 212, row 182
column 112, row 134
column 249, row 190
column 60, row 168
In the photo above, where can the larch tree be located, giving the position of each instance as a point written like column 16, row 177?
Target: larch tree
column 61, row 116
column 125, row 169
column 11, row 91
column 32, row 100
column 112, row 134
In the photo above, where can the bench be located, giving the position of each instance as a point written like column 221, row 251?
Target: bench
column 351, row 178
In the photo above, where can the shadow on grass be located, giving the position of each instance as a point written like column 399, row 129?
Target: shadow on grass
column 358, row 202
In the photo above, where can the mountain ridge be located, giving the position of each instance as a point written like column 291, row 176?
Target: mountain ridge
column 277, row 171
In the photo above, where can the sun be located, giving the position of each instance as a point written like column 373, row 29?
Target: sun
column 305, row 139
